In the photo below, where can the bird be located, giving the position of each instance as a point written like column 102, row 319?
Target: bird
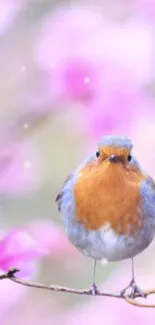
column 108, row 206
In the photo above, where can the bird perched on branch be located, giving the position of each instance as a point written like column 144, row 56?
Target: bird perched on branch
column 108, row 206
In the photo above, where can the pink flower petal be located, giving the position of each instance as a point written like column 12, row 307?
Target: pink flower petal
column 19, row 250
column 145, row 9
column 80, row 48
column 68, row 35
column 74, row 79
column 116, row 104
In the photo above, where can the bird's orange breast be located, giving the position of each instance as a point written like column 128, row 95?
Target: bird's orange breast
column 108, row 194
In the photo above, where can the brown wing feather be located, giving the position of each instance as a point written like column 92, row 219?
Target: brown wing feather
column 60, row 194
column 151, row 182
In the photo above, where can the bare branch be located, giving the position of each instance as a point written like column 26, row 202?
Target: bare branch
column 138, row 304
column 56, row 288
column 11, row 275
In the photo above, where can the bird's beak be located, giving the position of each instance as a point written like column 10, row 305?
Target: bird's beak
column 114, row 159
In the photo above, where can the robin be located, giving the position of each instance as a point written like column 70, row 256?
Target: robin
column 108, row 206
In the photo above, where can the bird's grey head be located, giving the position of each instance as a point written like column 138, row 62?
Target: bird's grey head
column 115, row 149
column 115, row 141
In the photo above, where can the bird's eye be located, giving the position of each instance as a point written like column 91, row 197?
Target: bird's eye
column 97, row 153
column 129, row 157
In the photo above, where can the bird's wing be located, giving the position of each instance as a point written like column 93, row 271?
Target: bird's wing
column 60, row 194
column 69, row 181
column 151, row 183
column 147, row 194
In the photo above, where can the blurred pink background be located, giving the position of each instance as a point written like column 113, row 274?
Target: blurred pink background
column 71, row 72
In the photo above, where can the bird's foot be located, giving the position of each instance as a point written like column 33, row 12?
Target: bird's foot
column 94, row 290
column 135, row 290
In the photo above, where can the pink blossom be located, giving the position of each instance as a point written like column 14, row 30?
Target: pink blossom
column 145, row 9
column 50, row 238
column 74, row 80
column 73, row 30
column 8, row 11
column 129, row 44
column 99, row 64
column 70, row 61
column 19, row 169
column 116, row 104
column 76, row 61
column 18, row 250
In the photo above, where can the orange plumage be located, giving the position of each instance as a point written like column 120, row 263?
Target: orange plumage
column 109, row 194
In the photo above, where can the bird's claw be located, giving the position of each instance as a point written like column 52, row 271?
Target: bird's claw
column 135, row 290
column 93, row 289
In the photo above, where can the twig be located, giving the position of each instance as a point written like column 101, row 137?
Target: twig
column 11, row 275
column 138, row 304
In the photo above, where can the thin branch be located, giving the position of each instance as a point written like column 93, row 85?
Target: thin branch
column 56, row 288
column 138, row 304
column 11, row 275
